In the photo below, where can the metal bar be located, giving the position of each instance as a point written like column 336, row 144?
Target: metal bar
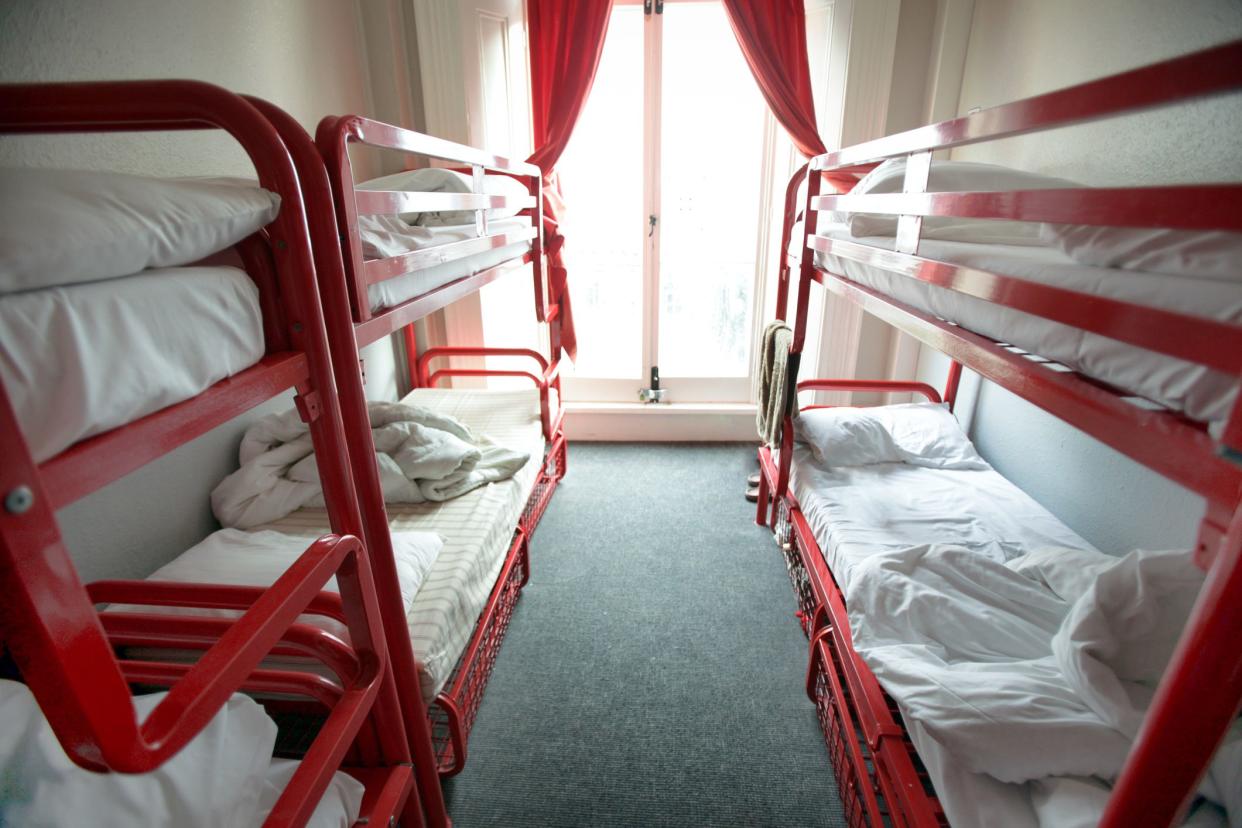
column 951, row 383
column 391, row 320
column 292, row 682
column 870, row 385
column 1187, row 207
column 387, row 794
column 1160, row 440
column 139, row 629
column 1192, row 338
column 96, row 461
column 393, row 202
column 409, row 712
column 1209, row 72
column 378, row 134
column 381, row 270
column 482, row 372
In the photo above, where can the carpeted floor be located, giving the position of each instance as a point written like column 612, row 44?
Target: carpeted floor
column 652, row 674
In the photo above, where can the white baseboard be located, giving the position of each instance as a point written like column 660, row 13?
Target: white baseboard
column 676, row 422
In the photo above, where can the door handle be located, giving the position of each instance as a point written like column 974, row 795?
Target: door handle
column 651, row 222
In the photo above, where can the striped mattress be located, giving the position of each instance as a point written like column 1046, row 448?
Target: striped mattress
column 477, row 527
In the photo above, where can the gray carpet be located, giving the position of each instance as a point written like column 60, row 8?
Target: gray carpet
column 652, row 674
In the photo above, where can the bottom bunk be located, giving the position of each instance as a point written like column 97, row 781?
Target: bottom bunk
column 977, row 610
column 460, row 594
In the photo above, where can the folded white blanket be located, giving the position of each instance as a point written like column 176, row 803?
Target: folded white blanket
column 1033, row 670
column 422, row 456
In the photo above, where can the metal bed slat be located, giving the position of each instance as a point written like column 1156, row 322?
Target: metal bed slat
column 392, row 202
column 381, row 270
column 1197, row 207
column 1195, row 339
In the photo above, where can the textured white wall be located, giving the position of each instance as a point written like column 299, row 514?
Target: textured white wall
column 306, row 56
column 1019, row 48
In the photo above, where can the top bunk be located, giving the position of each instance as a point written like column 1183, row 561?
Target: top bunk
column 1117, row 309
column 416, row 241
column 98, row 381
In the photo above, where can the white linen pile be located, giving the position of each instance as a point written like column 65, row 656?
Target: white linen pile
column 225, row 775
column 422, row 456
column 1035, row 672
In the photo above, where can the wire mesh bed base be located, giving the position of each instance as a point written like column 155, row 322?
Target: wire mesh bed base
column 452, row 713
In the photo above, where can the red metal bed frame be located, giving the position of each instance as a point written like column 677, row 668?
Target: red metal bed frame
column 333, row 208
column 881, row 779
column 67, row 652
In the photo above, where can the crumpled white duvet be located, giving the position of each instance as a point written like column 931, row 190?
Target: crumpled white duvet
column 422, row 456
column 1038, row 670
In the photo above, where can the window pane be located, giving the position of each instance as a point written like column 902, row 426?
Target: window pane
column 601, row 178
column 712, row 124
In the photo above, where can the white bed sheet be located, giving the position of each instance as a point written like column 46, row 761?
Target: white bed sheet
column 1201, row 393
column 225, row 775
column 858, row 511
column 82, row 359
column 477, row 527
column 393, row 292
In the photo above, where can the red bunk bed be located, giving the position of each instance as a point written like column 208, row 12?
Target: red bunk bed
column 421, row 281
column 75, row 659
column 880, row 776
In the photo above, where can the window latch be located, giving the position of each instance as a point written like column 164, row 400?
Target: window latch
column 654, row 394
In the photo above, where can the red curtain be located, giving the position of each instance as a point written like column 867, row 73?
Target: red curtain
column 772, row 34
column 566, row 41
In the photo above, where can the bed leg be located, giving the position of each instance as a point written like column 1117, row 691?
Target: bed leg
column 761, row 502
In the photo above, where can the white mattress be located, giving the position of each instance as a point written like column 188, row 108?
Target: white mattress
column 855, row 512
column 82, row 359
column 1201, row 393
column 393, row 292
column 477, row 527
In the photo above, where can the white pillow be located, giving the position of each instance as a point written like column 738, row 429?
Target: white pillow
column 929, row 435
column 61, row 227
column 953, row 177
column 919, row 434
column 232, row 556
column 217, row 779
column 846, row 437
column 439, row 180
column 1205, row 255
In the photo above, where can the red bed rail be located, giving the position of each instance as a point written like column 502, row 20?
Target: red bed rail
column 49, row 621
column 547, row 380
column 1202, row 690
column 343, row 344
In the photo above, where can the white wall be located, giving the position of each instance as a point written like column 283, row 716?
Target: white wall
column 307, row 56
column 1019, row 48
